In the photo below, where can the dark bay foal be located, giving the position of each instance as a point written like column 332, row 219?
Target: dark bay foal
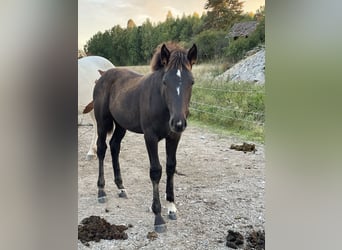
column 156, row 105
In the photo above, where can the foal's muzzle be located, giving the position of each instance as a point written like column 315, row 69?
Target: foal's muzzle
column 177, row 125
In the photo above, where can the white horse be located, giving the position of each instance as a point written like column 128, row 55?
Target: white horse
column 89, row 70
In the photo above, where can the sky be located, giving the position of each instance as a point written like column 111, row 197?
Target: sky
column 101, row 15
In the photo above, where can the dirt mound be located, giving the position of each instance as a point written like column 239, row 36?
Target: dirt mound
column 245, row 147
column 152, row 235
column 234, row 239
column 255, row 240
column 95, row 228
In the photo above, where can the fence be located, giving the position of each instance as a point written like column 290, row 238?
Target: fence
column 238, row 107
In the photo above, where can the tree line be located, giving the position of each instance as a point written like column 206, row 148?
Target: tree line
column 135, row 45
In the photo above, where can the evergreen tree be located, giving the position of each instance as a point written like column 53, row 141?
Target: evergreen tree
column 135, row 45
column 169, row 15
column 222, row 13
column 148, row 41
column 130, row 24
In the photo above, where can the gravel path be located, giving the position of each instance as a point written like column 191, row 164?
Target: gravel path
column 217, row 189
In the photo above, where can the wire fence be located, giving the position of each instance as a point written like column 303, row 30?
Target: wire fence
column 237, row 106
column 230, row 108
column 230, row 91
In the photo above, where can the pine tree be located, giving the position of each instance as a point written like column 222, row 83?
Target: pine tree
column 169, row 15
column 130, row 24
column 222, row 13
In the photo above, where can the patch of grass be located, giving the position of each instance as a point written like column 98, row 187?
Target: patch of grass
column 224, row 131
column 235, row 107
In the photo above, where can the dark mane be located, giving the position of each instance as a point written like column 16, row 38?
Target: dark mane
column 178, row 57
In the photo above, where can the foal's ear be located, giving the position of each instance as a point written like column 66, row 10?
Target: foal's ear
column 164, row 55
column 101, row 72
column 192, row 54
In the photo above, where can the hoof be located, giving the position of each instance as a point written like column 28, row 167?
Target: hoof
column 160, row 228
column 159, row 224
column 101, row 196
column 172, row 216
column 122, row 194
column 102, row 199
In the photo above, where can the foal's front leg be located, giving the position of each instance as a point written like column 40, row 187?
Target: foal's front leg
column 171, row 148
column 115, row 145
column 155, row 175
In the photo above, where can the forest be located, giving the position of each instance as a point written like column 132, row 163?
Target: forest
column 135, row 45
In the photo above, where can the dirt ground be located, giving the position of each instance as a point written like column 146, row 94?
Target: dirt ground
column 216, row 189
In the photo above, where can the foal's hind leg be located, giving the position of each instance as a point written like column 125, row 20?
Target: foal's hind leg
column 101, row 151
column 115, row 143
column 92, row 150
column 171, row 148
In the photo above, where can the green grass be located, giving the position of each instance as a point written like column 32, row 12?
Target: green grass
column 235, row 108
column 225, row 107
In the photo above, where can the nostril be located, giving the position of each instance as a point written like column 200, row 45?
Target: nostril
column 181, row 125
column 178, row 125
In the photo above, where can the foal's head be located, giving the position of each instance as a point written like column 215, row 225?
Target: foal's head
column 177, row 83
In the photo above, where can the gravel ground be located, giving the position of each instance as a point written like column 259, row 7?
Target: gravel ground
column 216, row 189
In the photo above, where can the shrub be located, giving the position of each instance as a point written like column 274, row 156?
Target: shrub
column 237, row 49
column 211, row 43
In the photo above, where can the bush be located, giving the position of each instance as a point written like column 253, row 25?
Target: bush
column 237, row 49
column 211, row 44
